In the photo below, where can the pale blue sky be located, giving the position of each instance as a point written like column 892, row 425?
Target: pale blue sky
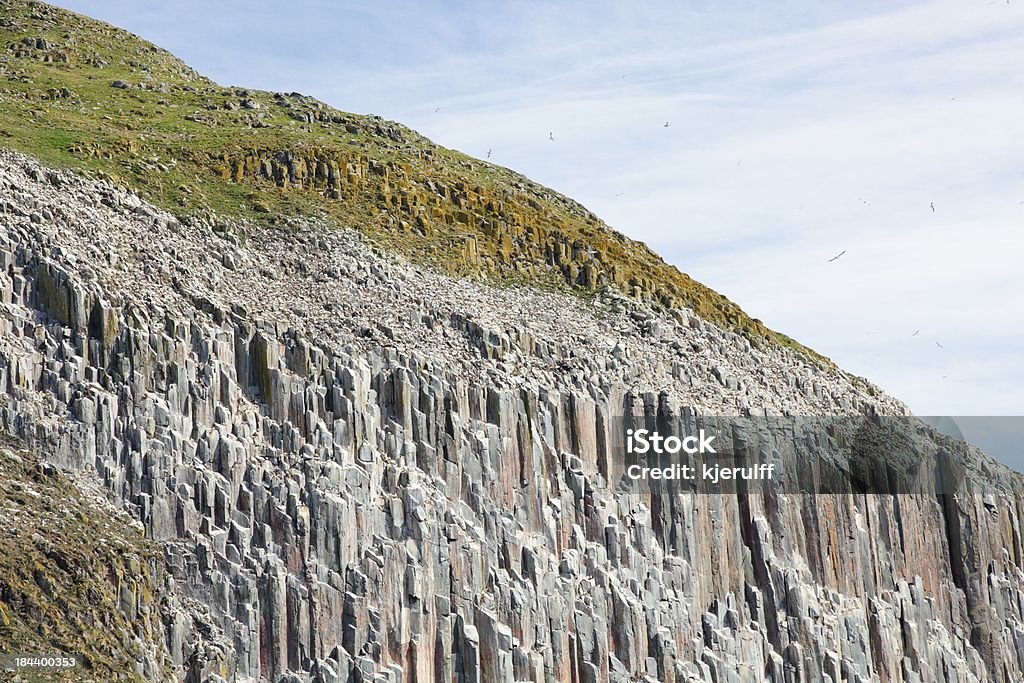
column 797, row 130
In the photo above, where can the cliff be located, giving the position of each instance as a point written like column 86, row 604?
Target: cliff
column 368, row 471
column 289, row 451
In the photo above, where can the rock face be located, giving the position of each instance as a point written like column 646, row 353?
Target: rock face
column 362, row 471
column 501, row 229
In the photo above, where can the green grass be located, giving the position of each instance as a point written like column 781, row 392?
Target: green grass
column 62, row 563
column 431, row 201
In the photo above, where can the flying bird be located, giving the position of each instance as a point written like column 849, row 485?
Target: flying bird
column 666, row 124
column 932, row 204
column 551, row 136
column 837, row 256
column 864, row 201
column 916, row 333
column 489, row 153
column 939, row 345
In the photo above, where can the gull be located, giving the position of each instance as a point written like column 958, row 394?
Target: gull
column 939, row 345
column 620, row 194
column 932, row 204
column 916, row 333
column 591, row 252
column 437, row 110
column 489, row 153
column 837, row 256
column 666, row 124
column 864, row 201
column 551, row 136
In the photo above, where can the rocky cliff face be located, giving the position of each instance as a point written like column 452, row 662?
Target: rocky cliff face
column 357, row 469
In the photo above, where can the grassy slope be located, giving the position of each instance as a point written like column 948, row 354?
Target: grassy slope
column 68, row 572
column 199, row 149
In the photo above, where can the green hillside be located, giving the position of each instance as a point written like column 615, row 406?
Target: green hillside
column 73, row 578
column 81, row 94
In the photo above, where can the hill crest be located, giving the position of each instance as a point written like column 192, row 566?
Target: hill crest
column 84, row 95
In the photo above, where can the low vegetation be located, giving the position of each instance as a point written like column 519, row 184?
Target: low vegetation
column 81, row 94
column 76, row 579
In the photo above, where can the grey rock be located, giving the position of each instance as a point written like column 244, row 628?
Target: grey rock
column 432, row 503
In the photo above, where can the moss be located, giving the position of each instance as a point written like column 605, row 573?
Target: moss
column 60, row 556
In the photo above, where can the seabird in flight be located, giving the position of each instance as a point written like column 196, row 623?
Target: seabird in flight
column 837, row 256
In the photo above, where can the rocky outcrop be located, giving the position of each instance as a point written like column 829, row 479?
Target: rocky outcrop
column 359, row 470
column 501, row 227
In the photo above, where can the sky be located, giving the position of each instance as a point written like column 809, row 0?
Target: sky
column 891, row 132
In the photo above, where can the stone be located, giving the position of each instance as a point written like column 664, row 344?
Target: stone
column 333, row 501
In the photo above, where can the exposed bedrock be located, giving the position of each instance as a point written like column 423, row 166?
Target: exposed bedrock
column 426, row 497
